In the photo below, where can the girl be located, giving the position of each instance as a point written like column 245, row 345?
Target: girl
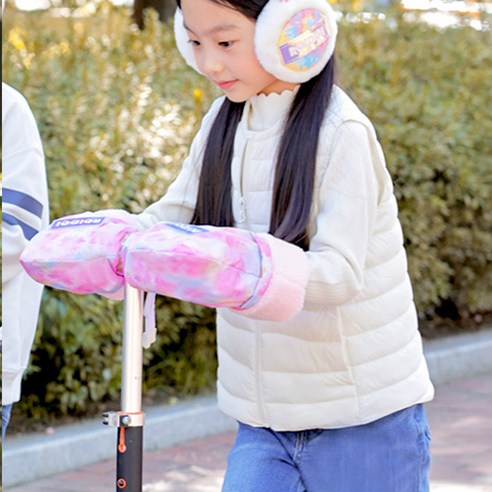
column 329, row 400
column 322, row 366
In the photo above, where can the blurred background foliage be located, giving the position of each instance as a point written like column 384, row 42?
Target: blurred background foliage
column 117, row 109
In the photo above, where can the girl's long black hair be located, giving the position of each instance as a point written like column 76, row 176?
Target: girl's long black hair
column 296, row 159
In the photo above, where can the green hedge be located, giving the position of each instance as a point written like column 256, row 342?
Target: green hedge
column 117, row 110
column 428, row 93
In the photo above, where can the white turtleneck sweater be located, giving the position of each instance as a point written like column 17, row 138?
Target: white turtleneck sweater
column 353, row 354
column 266, row 110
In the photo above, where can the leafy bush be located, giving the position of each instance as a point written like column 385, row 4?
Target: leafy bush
column 428, row 92
column 116, row 128
column 117, row 109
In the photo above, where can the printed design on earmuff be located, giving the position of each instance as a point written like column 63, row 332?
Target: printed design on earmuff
column 294, row 39
column 303, row 40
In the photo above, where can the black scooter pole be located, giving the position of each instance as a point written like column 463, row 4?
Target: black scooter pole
column 130, row 419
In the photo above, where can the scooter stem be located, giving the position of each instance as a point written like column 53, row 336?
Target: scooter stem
column 130, row 418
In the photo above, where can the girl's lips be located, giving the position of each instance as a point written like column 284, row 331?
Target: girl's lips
column 226, row 85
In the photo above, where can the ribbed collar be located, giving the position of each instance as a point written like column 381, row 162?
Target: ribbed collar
column 266, row 110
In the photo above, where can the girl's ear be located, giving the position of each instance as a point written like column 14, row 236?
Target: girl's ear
column 182, row 41
column 294, row 39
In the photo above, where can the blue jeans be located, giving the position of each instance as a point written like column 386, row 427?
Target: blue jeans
column 388, row 455
column 6, row 411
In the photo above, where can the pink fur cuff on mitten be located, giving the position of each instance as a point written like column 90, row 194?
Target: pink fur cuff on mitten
column 284, row 298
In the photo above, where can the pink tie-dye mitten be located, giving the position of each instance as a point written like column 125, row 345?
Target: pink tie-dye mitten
column 256, row 274
column 81, row 253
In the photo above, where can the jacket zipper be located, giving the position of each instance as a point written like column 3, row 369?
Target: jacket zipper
column 242, row 209
column 242, row 201
column 243, row 217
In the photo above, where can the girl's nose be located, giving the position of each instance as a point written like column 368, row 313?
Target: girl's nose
column 210, row 63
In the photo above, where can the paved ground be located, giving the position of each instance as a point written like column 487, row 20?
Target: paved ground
column 461, row 423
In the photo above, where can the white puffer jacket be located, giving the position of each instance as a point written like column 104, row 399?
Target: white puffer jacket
column 354, row 354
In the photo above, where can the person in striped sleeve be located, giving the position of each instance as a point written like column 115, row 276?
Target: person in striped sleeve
column 24, row 213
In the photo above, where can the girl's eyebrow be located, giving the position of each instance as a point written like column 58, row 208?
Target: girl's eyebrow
column 224, row 26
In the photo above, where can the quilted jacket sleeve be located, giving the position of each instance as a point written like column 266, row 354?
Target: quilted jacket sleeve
column 347, row 209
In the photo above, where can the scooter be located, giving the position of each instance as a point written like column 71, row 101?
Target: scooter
column 130, row 419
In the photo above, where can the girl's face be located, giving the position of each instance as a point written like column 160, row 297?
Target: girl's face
column 223, row 44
